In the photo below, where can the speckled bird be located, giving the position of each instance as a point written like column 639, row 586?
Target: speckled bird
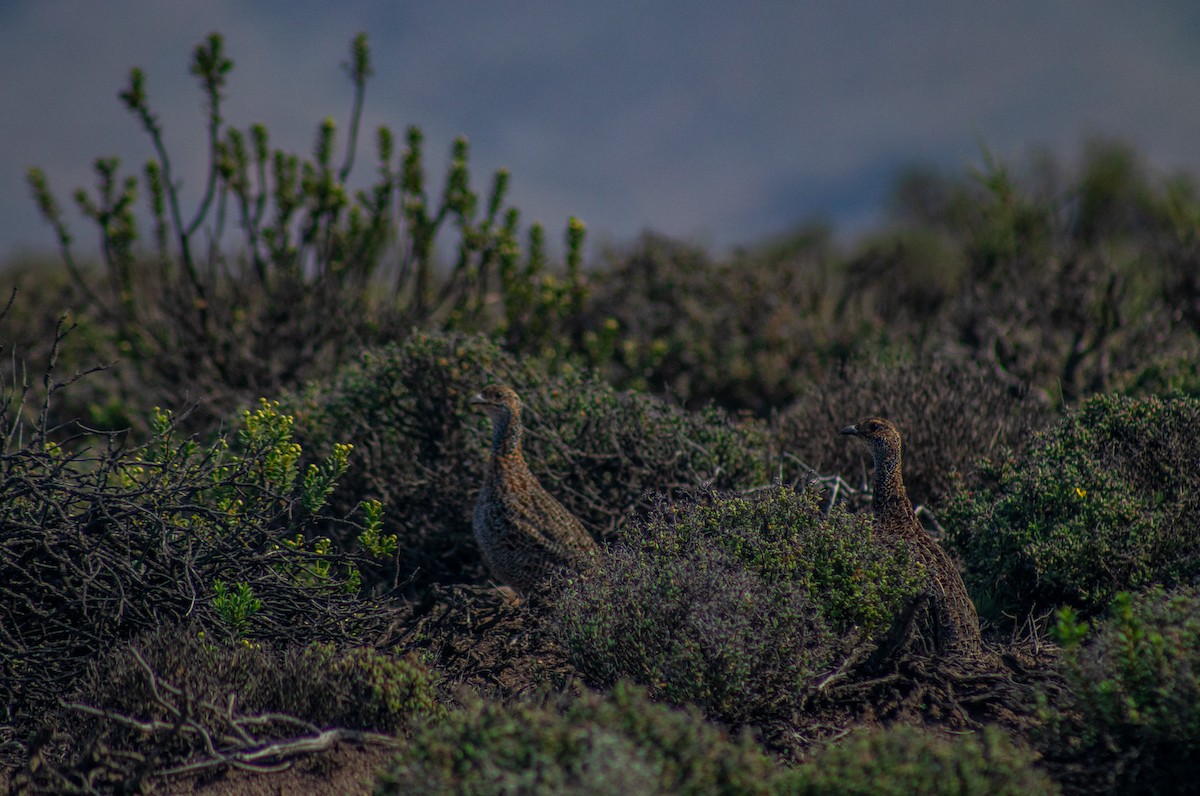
column 523, row 532
column 895, row 518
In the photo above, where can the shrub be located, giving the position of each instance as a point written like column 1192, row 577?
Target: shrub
column 906, row 759
column 322, row 684
column 743, row 333
column 177, row 697
column 728, row 601
column 1059, row 288
column 100, row 546
column 1165, row 375
column 951, row 412
column 316, row 271
column 617, row 743
column 1106, row 500
column 1134, row 706
column 421, row 449
column 696, row 627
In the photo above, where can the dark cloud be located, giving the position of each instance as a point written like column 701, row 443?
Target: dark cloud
column 725, row 120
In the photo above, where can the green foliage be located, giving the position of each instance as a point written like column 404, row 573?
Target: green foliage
column 1068, row 629
column 421, row 449
column 312, row 270
column 1103, row 502
column 727, row 602
column 386, row 692
column 1057, row 288
column 782, row 535
column 235, row 607
column 372, row 538
column 1171, row 374
column 905, row 759
column 100, row 546
column 617, row 743
column 1066, row 281
column 1135, row 691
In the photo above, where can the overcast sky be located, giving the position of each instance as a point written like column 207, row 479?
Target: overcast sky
column 718, row 121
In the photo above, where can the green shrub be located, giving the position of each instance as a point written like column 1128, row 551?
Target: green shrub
column 1134, row 706
column 1060, row 288
column 365, row 688
column 728, row 602
column 421, row 449
column 1105, row 501
column 906, row 759
column 1166, row 375
column 696, row 627
column 101, row 546
column 617, row 743
column 316, row 270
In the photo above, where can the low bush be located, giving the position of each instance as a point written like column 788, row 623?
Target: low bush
column 354, row 687
column 1134, row 706
column 276, row 270
column 1105, row 501
column 617, row 743
column 743, row 333
column 177, row 697
column 1177, row 374
column 951, row 412
column 731, row 602
column 99, row 546
column 906, row 759
column 421, row 449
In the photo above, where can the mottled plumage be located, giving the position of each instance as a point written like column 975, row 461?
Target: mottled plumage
column 524, row 533
column 895, row 518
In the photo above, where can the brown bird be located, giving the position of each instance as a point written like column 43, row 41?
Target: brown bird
column 524, row 533
column 958, row 624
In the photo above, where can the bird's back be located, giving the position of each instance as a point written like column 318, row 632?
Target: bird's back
column 955, row 613
column 523, row 532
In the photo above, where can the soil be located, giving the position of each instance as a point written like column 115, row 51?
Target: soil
column 347, row 769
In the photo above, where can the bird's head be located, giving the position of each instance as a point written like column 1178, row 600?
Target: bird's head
column 498, row 400
column 877, row 433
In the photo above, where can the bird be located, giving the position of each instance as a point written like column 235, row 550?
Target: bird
column 524, row 533
column 958, row 623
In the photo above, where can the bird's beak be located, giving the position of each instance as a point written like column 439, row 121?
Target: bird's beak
column 850, row 430
column 477, row 398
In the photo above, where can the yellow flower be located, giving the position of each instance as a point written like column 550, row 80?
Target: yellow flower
column 1082, row 493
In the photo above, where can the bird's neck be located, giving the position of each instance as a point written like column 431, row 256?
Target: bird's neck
column 889, row 498
column 506, row 437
